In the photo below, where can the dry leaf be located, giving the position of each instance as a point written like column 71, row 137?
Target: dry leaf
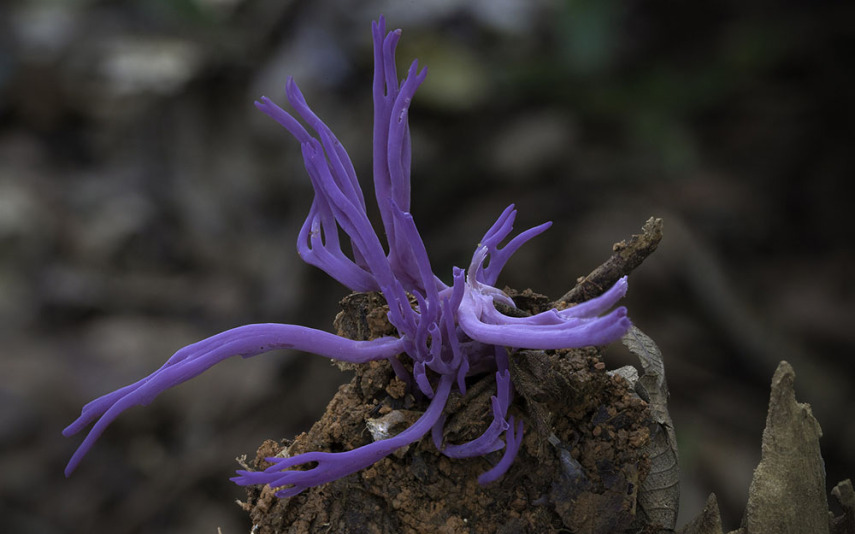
column 659, row 496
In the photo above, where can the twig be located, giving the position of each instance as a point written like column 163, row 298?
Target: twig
column 626, row 257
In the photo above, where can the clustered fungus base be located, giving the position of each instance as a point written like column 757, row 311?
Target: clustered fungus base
column 596, row 417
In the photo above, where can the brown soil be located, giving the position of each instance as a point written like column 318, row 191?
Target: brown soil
column 597, row 417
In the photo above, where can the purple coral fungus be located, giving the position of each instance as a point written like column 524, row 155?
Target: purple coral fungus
column 452, row 331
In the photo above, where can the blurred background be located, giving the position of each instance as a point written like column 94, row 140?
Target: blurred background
column 145, row 204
